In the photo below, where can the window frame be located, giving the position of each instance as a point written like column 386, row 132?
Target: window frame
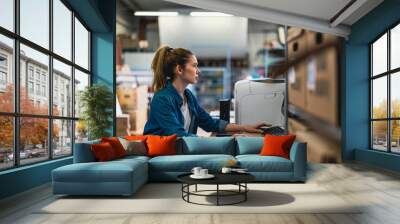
column 388, row 74
column 16, row 114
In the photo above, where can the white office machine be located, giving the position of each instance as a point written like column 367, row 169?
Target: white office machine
column 260, row 100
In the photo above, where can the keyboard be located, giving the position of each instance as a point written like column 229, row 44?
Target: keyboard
column 273, row 130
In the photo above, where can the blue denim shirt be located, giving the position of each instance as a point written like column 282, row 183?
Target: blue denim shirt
column 166, row 117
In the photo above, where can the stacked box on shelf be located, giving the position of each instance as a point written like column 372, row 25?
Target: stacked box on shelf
column 297, row 43
column 313, row 78
column 322, row 86
column 297, row 88
column 319, row 40
column 134, row 101
column 138, row 119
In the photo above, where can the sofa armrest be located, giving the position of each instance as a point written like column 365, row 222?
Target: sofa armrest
column 83, row 152
column 298, row 155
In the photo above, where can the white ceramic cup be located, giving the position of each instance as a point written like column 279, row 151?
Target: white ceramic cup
column 196, row 170
column 203, row 172
column 226, row 170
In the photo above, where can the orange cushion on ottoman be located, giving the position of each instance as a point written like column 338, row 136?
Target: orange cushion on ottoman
column 277, row 145
column 116, row 145
column 103, row 152
column 161, row 145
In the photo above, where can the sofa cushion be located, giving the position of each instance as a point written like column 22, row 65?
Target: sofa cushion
column 277, row 145
column 136, row 137
column 161, row 145
column 207, row 145
column 185, row 163
column 83, row 152
column 112, row 171
column 103, row 152
column 116, row 145
column 134, row 147
column 257, row 163
column 249, row 145
column 131, row 158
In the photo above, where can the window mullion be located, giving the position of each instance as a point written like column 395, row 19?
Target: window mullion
column 371, row 93
column 16, row 84
column 73, row 82
column 50, row 81
column 389, row 106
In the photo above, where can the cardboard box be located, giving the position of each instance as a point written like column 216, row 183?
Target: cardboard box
column 297, row 44
column 320, row 149
column 322, row 85
column 132, row 99
column 297, row 77
column 127, row 41
column 319, row 40
column 138, row 119
column 123, row 125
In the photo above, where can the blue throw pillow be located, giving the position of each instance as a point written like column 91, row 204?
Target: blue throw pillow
column 208, row 145
column 249, row 145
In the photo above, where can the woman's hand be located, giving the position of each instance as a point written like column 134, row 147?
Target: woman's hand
column 245, row 128
column 254, row 128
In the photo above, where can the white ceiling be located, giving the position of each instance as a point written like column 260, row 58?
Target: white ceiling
column 321, row 9
column 316, row 15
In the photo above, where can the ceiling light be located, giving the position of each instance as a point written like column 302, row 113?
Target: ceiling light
column 155, row 13
column 209, row 14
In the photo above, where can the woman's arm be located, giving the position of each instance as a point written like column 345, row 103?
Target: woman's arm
column 245, row 128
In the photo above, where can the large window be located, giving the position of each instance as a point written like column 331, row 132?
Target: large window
column 385, row 91
column 44, row 64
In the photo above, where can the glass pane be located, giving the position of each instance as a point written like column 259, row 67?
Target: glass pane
column 7, row 14
column 62, row 138
column 33, row 139
column 62, row 89
column 34, row 97
column 81, row 131
column 379, row 97
column 379, row 135
column 35, row 21
column 6, row 74
column 395, row 138
column 6, row 142
column 81, row 45
column 395, row 94
column 379, row 55
column 62, row 29
column 395, row 47
column 81, row 81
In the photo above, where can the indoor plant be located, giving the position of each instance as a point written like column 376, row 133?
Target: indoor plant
column 96, row 103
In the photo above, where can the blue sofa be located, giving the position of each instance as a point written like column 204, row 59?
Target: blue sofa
column 125, row 176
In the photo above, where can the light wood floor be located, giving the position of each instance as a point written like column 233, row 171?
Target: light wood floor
column 378, row 188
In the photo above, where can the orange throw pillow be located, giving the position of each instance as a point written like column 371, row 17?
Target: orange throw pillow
column 116, row 145
column 103, row 152
column 277, row 145
column 161, row 145
column 135, row 137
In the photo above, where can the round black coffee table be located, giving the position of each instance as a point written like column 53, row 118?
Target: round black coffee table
column 238, row 179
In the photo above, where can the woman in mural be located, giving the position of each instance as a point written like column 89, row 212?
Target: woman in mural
column 174, row 108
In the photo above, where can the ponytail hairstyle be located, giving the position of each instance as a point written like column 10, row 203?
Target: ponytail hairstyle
column 164, row 62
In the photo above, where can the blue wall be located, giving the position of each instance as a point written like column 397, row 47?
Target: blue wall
column 24, row 178
column 103, row 52
column 355, row 98
column 100, row 16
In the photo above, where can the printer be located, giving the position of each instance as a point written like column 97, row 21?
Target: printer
column 260, row 100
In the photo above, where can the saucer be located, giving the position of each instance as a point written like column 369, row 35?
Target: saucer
column 208, row 176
